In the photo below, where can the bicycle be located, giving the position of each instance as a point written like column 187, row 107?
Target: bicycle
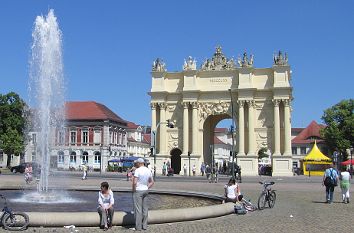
column 267, row 196
column 13, row 221
column 247, row 204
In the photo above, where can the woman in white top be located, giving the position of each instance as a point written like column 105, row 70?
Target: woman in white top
column 232, row 191
column 105, row 206
column 345, row 185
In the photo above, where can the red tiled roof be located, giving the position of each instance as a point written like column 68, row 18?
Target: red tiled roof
column 90, row 110
column 220, row 130
column 312, row 130
column 147, row 138
column 132, row 125
column 297, row 129
column 218, row 141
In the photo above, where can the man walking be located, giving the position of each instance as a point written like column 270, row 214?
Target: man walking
column 330, row 180
column 142, row 182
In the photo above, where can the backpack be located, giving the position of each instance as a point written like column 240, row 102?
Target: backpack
column 240, row 210
column 330, row 180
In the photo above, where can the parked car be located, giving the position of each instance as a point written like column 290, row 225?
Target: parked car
column 22, row 166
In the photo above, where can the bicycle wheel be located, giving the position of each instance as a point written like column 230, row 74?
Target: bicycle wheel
column 16, row 222
column 249, row 206
column 271, row 199
column 262, row 201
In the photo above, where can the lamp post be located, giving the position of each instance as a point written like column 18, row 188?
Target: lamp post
column 189, row 162
column 232, row 127
column 169, row 124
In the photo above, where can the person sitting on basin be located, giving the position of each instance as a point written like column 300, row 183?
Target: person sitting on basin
column 232, row 191
column 105, row 206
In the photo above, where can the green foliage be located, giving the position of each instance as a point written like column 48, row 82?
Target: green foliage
column 262, row 153
column 339, row 131
column 12, row 124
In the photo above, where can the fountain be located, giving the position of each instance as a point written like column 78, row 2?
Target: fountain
column 46, row 91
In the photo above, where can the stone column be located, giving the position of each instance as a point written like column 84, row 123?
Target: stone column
column 195, row 128
column 153, row 123
column 287, row 128
column 241, row 127
column 162, row 128
column 185, row 128
column 153, row 116
column 276, row 128
column 251, row 136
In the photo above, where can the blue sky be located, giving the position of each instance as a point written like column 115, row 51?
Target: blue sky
column 109, row 46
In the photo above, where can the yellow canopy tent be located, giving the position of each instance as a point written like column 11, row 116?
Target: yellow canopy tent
column 315, row 162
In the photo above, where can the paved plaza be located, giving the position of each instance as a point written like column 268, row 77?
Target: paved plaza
column 299, row 206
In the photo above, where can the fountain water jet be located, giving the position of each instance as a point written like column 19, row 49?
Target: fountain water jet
column 46, row 89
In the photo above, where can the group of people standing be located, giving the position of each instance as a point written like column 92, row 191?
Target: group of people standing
column 142, row 181
column 331, row 178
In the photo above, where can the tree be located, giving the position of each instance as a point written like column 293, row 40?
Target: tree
column 12, row 125
column 262, row 153
column 339, row 130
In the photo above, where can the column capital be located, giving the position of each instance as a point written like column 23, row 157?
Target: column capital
column 153, row 105
column 185, row 104
column 286, row 102
column 251, row 103
column 276, row 102
column 241, row 103
column 162, row 105
column 194, row 104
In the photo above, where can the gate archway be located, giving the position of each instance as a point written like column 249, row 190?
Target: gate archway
column 176, row 160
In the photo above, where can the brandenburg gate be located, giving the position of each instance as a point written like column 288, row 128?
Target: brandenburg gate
column 197, row 99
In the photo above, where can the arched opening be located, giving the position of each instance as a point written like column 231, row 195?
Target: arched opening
column 176, row 160
column 217, row 144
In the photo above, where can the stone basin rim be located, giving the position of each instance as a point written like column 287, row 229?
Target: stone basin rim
column 91, row 219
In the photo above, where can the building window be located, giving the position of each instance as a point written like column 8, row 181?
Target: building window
column 73, row 157
column 84, row 158
column 61, row 157
column 1, row 156
column 34, row 139
column 73, row 137
column 84, row 136
column 97, row 136
column 294, row 150
column 61, row 137
column 97, row 157
column 303, row 150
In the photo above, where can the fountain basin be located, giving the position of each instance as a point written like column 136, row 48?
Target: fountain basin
column 204, row 205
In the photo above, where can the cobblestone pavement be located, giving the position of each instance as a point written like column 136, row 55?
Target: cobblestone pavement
column 299, row 206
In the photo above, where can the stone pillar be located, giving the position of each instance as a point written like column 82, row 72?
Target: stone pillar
column 276, row 128
column 185, row 128
column 195, row 128
column 287, row 128
column 241, row 127
column 162, row 128
column 153, row 116
column 251, row 136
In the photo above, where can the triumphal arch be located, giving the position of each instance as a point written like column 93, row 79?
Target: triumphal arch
column 196, row 99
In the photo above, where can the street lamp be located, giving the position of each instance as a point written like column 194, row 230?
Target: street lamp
column 189, row 161
column 170, row 125
column 232, row 127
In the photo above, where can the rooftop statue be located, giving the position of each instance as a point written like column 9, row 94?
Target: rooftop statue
column 218, row 62
column 244, row 61
column 280, row 59
column 158, row 65
column 190, row 64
